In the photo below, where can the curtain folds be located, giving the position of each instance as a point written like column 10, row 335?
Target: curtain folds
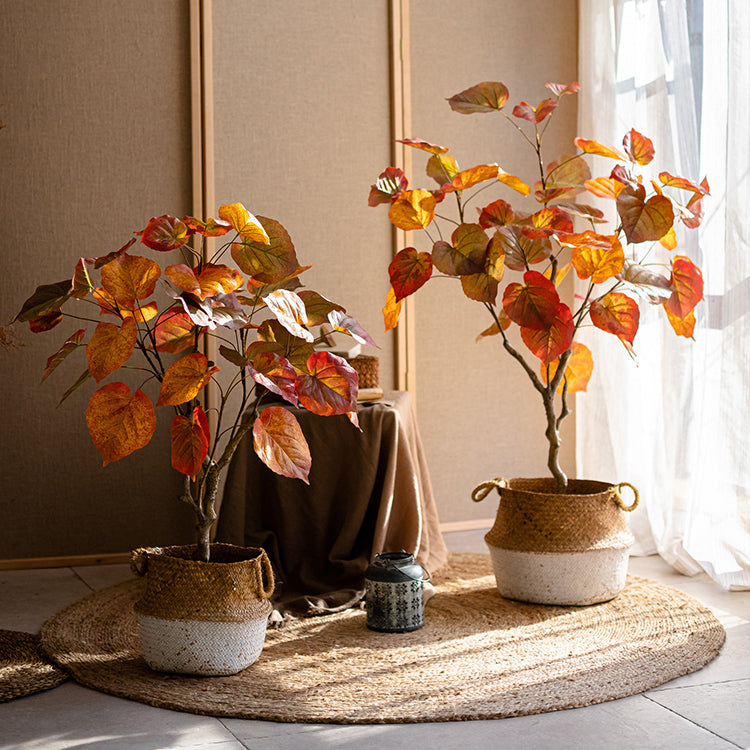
column 675, row 423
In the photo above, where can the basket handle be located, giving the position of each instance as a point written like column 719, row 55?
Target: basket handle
column 139, row 559
column 618, row 496
column 264, row 568
column 480, row 492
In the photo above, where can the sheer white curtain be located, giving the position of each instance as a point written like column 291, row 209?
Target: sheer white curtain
column 677, row 424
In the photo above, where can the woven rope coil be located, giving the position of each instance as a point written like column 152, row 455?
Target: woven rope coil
column 534, row 517
column 24, row 669
column 235, row 586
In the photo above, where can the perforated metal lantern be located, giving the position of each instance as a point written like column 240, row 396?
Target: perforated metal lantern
column 394, row 592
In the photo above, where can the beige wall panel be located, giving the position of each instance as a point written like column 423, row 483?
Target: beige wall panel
column 95, row 97
column 478, row 413
column 302, row 122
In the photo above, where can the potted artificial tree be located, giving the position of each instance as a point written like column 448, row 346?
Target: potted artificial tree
column 205, row 607
column 556, row 540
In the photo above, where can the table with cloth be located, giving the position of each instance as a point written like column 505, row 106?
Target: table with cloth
column 369, row 492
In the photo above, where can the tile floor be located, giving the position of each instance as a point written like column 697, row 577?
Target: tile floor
column 707, row 710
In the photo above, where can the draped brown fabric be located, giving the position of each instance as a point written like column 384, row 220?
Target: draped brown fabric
column 369, row 492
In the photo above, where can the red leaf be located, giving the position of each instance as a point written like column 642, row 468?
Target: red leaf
column 496, row 214
column 280, row 444
column 329, row 386
column 387, row 187
column 549, row 343
column 164, row 233
column 274, row 372
column 548, row 221
column 535, row 114
column 408, row 271
column 534, row 305
column 190, row 441
column 686, row 284
column 618, row 314
column 70, row 345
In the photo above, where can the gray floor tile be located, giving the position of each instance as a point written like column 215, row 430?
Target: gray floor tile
column 102, row 576
column 620, row 725
column 722, row 708
column 71, row 716
column 29, row 597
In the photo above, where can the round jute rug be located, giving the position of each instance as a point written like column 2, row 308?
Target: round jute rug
column 479, row 656
column 23, row 667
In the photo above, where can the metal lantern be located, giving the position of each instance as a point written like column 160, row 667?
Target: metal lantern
column 394, row 592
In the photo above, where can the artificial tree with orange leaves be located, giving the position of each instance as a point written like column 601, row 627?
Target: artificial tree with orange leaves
column 543, row 243
column 263, row 326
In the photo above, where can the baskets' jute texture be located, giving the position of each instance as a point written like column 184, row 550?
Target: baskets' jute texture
column 368, row 370
column 478, row 656
column 24, row 669
column 180, row 588
column 534, row 517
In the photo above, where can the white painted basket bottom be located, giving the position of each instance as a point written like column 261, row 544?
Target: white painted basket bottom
column 202, row 648
column 563, row 578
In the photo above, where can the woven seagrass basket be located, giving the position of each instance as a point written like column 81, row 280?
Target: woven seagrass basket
column 368, row 370
column 558, row 548
column 205, row 618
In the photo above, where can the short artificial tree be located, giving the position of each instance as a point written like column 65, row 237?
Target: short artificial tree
column 262, row 322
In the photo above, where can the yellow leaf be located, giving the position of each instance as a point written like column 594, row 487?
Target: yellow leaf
column 243, row 222
column 577, row 371
column 413, row 209
column 513, row 182
column 598, row 264
column 391, row 310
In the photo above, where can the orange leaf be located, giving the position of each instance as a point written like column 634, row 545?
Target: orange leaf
column 190, row 440
column 549, row 221
column 174, row 331
column 534, row 305
column 680, row 182
column 130, row 278
column 604, row 187
column 577, row 371
column 110, row 347
column 408, row 271
column 413, row 209
column 487, row 96
column 496, row 214
column 639, row 148
column 549, row 343
column 599, row 264
column 431, row 148
column 618, row 314
column 280, row 444
column 118, row 422
column 681, row 326
column 184, row 379
column 391, row 310
column 559, row 89
column 473, row 176
column 594, row 147
column 244, row 223
column 644, row 220
column 686, row 284
column 513, row 182
column 208, row 228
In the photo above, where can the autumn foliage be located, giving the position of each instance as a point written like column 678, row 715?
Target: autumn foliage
column 554, row 231
column 153, row 319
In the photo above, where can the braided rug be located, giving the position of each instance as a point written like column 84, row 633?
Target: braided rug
column 23, row 667
column 479, row 656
